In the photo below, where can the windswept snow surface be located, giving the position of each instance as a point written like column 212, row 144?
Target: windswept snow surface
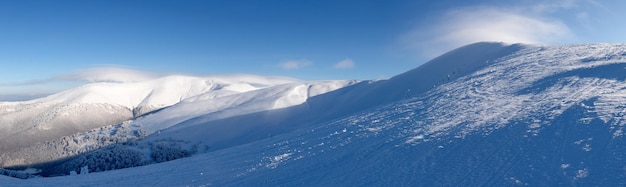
column 533, row 116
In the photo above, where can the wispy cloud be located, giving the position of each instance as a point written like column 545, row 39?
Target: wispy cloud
column 344, row 64
column 467, row 25
column 109, row 74
column 295, row 64
column 493, row 24
column 40, row 87
column 28, row 82
column 21, row 97
column 98, row 74
column 551, row 6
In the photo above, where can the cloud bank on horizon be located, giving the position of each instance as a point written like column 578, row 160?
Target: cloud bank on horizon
column 116, row 74
column 39, row 88
column 109, row 74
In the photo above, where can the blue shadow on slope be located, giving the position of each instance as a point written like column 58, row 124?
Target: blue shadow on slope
column 564, row 153
column 609, row 71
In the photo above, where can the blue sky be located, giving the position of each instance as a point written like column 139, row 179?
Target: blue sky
column 47, row 46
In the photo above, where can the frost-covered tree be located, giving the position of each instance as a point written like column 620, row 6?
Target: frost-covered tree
column 120, row 156
column 166, row 151
column 84, row 170
column 16, row 174
column 114, row 157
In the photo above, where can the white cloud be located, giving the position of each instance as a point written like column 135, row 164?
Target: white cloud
column 109, row 74
column 295, row 64
column 549, row 6
column 98, row 74
column 344, row 64
column 21, row 97
column 40, row 87
column 469, row 25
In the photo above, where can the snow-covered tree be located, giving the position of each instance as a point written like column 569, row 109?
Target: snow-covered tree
column 84, row 170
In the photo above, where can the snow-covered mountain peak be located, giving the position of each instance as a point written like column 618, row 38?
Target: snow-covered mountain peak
column 441, row 70
column 159, row 92
column 454, row 64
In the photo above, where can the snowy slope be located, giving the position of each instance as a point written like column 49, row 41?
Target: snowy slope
column 239, row 118
column 249, row 117
column 540, row 116
column 533, row 116
column 96, row 105
column 217, row 107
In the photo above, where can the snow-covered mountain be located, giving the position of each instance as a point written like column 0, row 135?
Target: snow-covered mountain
column 29, row 123
column 484, row 114
column 223, row 126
